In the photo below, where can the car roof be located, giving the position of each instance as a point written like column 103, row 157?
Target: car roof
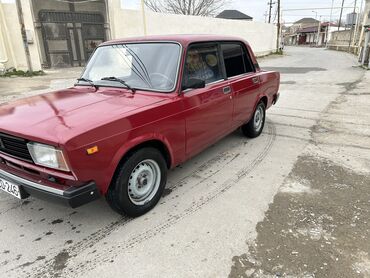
column 183, row 39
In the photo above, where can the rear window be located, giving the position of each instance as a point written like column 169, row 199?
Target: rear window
column 236, row 59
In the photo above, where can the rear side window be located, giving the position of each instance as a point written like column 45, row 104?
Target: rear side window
column 236, row 59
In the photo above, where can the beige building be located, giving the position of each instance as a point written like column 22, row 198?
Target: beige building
column 58, row 33
column 365, row 33
column 293, row 36
column 63, row 33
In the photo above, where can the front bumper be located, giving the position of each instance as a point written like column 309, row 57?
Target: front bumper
column 72, row 196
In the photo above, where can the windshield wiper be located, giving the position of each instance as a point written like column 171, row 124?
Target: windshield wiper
column 116, row 79
column 88, row 81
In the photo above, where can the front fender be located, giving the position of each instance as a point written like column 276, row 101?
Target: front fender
column 131, row 144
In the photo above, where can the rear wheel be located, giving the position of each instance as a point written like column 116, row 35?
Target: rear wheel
column 139, row 182
column 255, row 125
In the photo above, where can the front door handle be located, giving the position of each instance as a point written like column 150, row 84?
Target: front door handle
column 255, row 80
column 226, row 90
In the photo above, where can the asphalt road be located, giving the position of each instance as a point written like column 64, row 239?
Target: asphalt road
column 293, row 202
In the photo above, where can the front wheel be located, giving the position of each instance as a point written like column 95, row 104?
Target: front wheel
column 139, row 183
column 254, row 127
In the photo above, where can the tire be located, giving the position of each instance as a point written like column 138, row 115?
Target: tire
column 138, row 183
column 254, row 127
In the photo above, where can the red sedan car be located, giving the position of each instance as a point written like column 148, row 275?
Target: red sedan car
column 142, row 106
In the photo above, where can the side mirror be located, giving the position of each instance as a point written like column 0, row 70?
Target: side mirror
column 194, row 83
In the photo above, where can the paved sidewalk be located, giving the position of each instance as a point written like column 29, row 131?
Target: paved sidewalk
column 12, row 88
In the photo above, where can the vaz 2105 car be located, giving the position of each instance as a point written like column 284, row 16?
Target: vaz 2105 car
column 141, row 107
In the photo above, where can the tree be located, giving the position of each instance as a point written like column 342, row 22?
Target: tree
column 187, row 7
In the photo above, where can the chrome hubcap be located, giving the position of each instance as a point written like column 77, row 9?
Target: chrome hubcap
column 258, row 118
column 144, row 182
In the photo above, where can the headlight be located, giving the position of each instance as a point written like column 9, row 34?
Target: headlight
column 48, row 156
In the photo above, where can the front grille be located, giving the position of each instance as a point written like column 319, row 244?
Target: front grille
column 15, row 146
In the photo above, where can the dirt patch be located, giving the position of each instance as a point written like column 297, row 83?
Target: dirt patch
column 56, row 221
column 60, row 262
column 317, row 226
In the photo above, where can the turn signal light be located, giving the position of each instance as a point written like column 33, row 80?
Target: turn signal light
column 92, row 150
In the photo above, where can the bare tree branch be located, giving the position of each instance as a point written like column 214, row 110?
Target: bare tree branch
column 187, row 7
column 153, row 5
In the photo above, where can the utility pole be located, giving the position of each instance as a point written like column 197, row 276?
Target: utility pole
column 270, row 10
column 318, row 32
column 278, row 27
column 355, row 40
column 351, row 34
column 365, row 17
column 340, row 17
column 329, row 25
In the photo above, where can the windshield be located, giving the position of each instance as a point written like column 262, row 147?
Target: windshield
column 148, row 66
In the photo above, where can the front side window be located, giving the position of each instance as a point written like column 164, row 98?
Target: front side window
column 202, row 62
column 148, row 66
column 236, row 59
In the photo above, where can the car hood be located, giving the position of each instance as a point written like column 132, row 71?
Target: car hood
column 59, row 116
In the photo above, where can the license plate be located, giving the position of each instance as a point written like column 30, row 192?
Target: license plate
column 10, row 188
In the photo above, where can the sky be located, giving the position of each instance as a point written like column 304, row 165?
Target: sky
column 258, row 8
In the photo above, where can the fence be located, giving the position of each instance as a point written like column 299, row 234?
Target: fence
column 340, row 41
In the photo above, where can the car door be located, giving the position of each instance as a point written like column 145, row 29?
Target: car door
column 242, row 78
column 208, row 110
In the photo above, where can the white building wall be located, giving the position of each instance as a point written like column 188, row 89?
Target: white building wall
column 128, row 23
column 12, row 48
column 34, row 47
column 11, row 51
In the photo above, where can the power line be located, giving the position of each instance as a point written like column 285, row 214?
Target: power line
column 306, row 15
column 318, row 8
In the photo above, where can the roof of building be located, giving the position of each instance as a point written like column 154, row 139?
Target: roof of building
column 308, row 30
column 306, row 20
column 333, row 24
column 234, row 14
column 183, row 39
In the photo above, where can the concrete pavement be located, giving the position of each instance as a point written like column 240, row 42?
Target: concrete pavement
column 12, row 88
column 293, row 202
column 317, row 225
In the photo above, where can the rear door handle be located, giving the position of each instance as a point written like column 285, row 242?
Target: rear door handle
column 226, row 90
column 255, row 80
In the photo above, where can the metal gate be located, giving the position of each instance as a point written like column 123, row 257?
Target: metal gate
column 70, row 37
